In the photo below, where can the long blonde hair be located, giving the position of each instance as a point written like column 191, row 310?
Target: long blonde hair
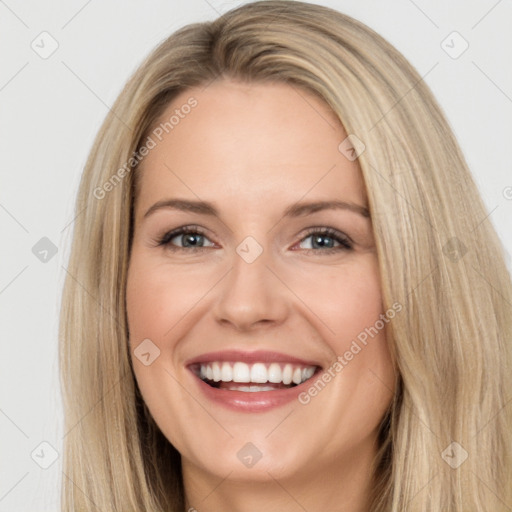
column 446, row 441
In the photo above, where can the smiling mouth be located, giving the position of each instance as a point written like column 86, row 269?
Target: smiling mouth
column 240, row 376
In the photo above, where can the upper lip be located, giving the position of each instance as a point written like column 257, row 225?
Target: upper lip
column 255, row 356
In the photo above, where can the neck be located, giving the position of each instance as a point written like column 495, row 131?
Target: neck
column 342, row 485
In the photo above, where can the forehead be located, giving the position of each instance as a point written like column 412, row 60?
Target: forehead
column 243, row 142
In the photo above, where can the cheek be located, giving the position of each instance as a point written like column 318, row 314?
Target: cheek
column 157, row 302
column 157, row 297
column 350, row 304
column 346, row 298
column 361, row 375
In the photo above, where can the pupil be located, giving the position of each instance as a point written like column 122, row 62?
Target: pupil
column 318, row 240
column 190, row 238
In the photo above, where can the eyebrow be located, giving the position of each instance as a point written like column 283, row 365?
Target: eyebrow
column 295, row 210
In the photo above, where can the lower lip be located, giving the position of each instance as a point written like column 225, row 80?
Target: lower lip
column 250, row 401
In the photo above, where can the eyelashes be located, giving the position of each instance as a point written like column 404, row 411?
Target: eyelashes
column 321, row 233
column 185, row 230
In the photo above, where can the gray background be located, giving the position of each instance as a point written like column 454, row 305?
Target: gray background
column 51, row 108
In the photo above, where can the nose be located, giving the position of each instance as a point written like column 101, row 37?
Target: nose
column 251, row 295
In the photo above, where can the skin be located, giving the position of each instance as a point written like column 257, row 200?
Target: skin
column 252, row 150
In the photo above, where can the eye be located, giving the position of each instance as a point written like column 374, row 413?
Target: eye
column 325, row 240
column 190, row 237
column 193, row 237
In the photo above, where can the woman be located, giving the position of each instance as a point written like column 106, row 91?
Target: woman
column 280, row 293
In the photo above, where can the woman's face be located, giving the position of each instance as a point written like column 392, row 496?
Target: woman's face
column 257, row 290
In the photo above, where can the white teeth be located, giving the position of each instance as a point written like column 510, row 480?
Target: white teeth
column 274, row 373
column 307, row 373
column 287, row 374
column 216, row 371
column 297, row 376
column 241, row 372
column 227, row 372
column 252, row 389
column 259, row 373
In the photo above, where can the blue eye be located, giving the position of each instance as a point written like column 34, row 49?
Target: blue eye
column 193, row 238
column 320, row 235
